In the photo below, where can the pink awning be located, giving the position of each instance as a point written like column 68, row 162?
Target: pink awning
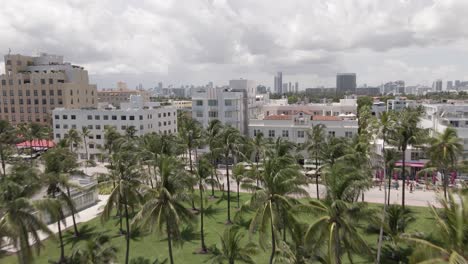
column 412, row 164
column 37, row 144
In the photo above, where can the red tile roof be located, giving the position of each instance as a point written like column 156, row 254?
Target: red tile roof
column 277, row 117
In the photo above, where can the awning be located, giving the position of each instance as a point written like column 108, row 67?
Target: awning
column 412, row 164
column 37, row 144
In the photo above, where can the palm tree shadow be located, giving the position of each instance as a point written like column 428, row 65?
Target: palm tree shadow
column 86, row 232
column 187, row 234
column 211, row 211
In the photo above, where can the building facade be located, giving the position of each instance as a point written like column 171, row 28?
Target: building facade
column 346, row 83
column 294, row 127
column 232, row 105
column 121, row 95
column 347, row 106
column 278, row 83
column 399, row 103
column 33, row 86
column 144, row 117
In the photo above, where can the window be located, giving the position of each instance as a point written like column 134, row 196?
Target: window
column 106, row 117
column 348, row 134
column 44, row 101
column 300, row 134
column 228, row 114
column 52, row 101
column 36, row 101
column 42, row 81
column 212, row 114
column 228, row 102
column 51, row 81
column 285, row 133
column 212, row 102
column 56, row 117
column 131, row 117
column 271, row 133
column 141, row 117
column 331, row 133
column 90, row 126
column 98, row 126
column 12, row 101
column 59, row 92
column 28, row 93
column 199, row 102
column 43, row 92
column 114, row 117
column 123, row 117
column 164, row 123
column 51, row 92
column 35, row 93
column 90, row 117
column 73, row 117
column 20, row 92
column 65, row 126
column 164, row 114
column 123, row 127
column 199, row 114
column 57, row 135
column 12, row 93
column 98, row 136
column 21, row 101
column 74, row 126
column 91, row 146
column 64, row 117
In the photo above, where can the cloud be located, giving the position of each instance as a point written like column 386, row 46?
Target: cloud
column 176, row 40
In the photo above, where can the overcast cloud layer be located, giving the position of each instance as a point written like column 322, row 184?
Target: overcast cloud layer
column 194, row 42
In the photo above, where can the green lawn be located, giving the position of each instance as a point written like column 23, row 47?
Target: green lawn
column 153, row 246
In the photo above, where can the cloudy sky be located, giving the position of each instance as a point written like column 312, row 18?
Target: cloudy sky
column 197, row 41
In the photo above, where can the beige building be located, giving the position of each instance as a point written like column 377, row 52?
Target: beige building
column 120, row 95
column 33, row 86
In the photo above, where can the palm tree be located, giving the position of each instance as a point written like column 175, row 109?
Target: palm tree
column 232, row 248
column 213, row 132
column 259, row 146
column 18, row 223
column 314, row 145
column 230, row 138
column 444, row 151
column 451, row 225
column 164, row 208
column 7, row 139
column 85, row 133
column 111, row 138
column 62, row 161
column 407, row 133
column 273, row 201
column 337, row 224
column 96, row 250
column 126, row 191
column 202, row 173
column 239, row 173
column 73, row 138
column 29, row 132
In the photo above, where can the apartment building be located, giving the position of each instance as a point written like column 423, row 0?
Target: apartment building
column 440, row 116
column 121, row 95
column 232, row 105
column 293, row 127
column 144, row 117
column 399, row 103
column 33, row 86
column 347, row 106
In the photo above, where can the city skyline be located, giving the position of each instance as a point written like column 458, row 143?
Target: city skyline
column 200, row 41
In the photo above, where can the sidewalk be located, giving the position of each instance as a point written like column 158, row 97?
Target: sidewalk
column 82, row 216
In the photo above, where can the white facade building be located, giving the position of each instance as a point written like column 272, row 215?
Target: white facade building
column 346, row 106
column 144, row 117
column 440, row 116
column 232, row 105
column 399, row 103
column 294, row 127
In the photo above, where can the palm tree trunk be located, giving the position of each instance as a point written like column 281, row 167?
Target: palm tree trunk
column 212, row 178
column 62, row 250
column 169, row 242
column 379, row 245
column 77, row 234
column 2, row 156
column 336, row 237
column 127, row 236
column 238, row 196
column 191, row 174
column 228, row 191
column 389, row 186
column 273, row 240
column 403, row 176
column 202, row 233
column 444, row 177
column 316, row 176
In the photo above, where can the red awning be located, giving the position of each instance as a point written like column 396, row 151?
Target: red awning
column 37, row 144
column 412, row 164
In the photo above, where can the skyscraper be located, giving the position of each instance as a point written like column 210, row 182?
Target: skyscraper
column 449, row 85
column 296, row 87
column 279, row 83
column 437, row 86
column 345, row 83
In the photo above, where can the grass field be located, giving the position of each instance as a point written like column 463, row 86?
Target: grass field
column 152, row 246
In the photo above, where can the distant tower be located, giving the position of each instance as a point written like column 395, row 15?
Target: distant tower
column 437, row 86
column 296, row 87
column 279, row 83
column 449, row 85
column 345, row 83
column 289, row 87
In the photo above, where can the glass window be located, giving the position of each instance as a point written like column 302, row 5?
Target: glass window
column 228, row 102
column 199, row 114
column 213, row 114
column 97, row 117
column 123, row 117
column 199, row 103
column 43, row 92
column 98, row 126
column 212, row 102
column 114, row 117
column 348, row 134
column 285, row 133
column 131, row 117
column 106, row 117
column 271, row 133
column 73, row 117
column 57, row 117
column 90, row 117
column 300, row 134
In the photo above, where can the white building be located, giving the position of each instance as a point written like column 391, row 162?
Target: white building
column 399, row 103
column 440, row 116
column 144, row 117
column 232, row 105
column 294, row 127
column 347, row 106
